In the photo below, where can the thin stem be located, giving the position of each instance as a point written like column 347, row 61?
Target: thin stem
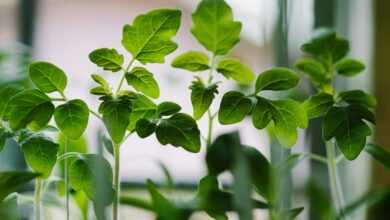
column 37, row 198
column 317, row 158
column 115, row 206
column 336, row 191
column 210, row 128
column 68, row 155
column 124, row 75
column 58, row 99
column 63, row 95
column 66, row 177
column 95, row 114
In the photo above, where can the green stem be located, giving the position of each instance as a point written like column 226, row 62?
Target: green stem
column 37, row 198
column 115, row 206
column 336, row 191
column 124, row 75
column 66, row 177
column 210, row 128
column 317, row 158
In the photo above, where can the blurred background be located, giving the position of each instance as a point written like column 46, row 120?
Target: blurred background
column 64, row 32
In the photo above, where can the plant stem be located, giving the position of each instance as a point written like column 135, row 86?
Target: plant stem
column 336, row 191
column 210, row 128
column 66, row 177
column 115, row 206
column 124, row 75
column 37, row 198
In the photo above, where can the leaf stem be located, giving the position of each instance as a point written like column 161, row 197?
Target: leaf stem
column 58, row 99
column 63, row 95
column 336, row 191
column 317, row 158
column 96, row 114
column 124, row 75
column 37, row 198
column 67, row 155
column 115, row 206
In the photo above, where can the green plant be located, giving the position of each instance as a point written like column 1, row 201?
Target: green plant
column 26, row 114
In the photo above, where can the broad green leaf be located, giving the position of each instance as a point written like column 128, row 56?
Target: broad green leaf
column 29, row 108
column 148, row 39
column 179, row 130
column 167, row 108
column 142, row 80
column 201, row 97
column 9, row 208
column 40, row 153
column 286, row 114
column 260, row 171
column 83, row 176
column 313, row 69
column 142, row 108
column 72, row 118
column 379, row 154
column 326, row 46
column 4, row 135
column 214, row 27
column 317, row 105
column 145, row 128
column 349, row 67
column 220, row 154
column 10, row 181
column 347, row 126
column 116, row 114
column 233, row 68
column 6, row 94
column 165, row 209
column 234, row 107
column 358, row 97
column 47, row 77
column 262, row 113
column 192, row 60
column 107, row 58
column 278, row 78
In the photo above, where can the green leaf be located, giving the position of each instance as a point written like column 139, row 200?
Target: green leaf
column 379, row 154
column 7, row 93
column 317, row 105
column 234, row 107
column 103, row 89
column 179, row 130
column 347, row 126
column 192, row 60
column 168, row 108
column 313, row 69
column 233, row 68
column 278, row 78
column 291, row 214
column 29, row 108
column 107, row 58
column 165, row 209
column 10, row 181
column 142, row 108
column 72, row 118
column 214, row 27
column 40, row 153
column 47, row 77
column 142, row 80
column 116, row 114
column 9, row 208
column 286, row 114
column 349, row 67
column 4, row 135
column 326, row 46
column 260, row 171
column 97, row 185
column 145, row 128
column 201, row 97
column 149, row 38
column 358, row 97
column 220, row 154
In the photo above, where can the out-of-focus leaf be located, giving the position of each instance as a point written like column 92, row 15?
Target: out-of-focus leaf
column 349, row 67
column 379, row 154
column 9, row 208
column 358, row 97
column 10, row 181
